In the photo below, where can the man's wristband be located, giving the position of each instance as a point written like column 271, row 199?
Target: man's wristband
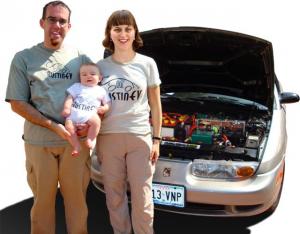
column 156, row 138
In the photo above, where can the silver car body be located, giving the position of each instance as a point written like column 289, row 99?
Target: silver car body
column 230, row 196
column 212, row 197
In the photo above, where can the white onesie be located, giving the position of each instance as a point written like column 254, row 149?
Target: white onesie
column 86, row 101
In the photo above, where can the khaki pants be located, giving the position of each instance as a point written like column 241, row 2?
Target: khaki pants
column 48, row 166
column 125, row 157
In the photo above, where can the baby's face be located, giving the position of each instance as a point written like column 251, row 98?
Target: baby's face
column 89, row 75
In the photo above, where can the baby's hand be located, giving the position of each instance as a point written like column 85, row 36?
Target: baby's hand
column 101, row 110
column 65, row 113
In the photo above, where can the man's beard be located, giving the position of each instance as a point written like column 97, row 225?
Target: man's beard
column 55, row 42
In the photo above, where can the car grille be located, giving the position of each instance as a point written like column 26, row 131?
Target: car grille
column 210, row 209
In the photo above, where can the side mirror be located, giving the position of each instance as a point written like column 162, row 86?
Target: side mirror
column 288, row 97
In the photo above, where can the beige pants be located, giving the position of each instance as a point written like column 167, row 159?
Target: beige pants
column 125, row 157
column 48, row 166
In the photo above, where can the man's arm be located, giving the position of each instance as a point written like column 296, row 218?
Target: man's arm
column 29, row 113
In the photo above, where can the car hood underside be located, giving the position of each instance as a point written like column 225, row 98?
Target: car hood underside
column 211, row 60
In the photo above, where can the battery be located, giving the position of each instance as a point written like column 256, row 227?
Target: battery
column 204, row 137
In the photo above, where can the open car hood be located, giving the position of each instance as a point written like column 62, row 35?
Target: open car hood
column 212, row 61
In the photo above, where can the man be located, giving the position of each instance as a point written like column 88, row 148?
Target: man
column 36, row 88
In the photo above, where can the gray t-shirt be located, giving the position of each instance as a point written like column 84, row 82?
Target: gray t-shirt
column 41, row 76
column 127, row 85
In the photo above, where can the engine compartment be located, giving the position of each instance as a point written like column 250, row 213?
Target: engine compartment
column 214, row 127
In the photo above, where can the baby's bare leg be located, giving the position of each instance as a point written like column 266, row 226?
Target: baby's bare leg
column 73, row 139
column 94, row 126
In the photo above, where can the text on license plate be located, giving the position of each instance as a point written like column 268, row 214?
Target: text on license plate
column 169, row 195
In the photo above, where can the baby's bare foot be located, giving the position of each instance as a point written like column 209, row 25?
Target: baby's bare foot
column 75, row 153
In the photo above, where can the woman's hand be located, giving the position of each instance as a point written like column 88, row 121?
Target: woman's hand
column 155, row 151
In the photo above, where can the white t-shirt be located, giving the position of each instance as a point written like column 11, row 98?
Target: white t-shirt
column 86, row 101
column 127, row 85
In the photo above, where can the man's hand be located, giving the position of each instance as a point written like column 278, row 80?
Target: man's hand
column 60, row 130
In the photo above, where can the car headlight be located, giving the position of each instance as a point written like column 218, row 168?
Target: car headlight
column 222, row 169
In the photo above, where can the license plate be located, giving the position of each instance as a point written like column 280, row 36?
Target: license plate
column 169, row 195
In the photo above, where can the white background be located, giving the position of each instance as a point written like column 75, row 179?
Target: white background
column 273, row 20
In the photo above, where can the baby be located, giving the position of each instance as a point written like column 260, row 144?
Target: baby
column 84, row 102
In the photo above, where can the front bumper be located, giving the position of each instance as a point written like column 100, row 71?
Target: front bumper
column 209, row 197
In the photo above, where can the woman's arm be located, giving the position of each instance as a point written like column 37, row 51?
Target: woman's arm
column 156, row 118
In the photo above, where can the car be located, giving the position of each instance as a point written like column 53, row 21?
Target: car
column 224, row 134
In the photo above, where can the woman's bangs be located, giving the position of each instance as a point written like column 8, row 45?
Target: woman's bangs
column 122, row 19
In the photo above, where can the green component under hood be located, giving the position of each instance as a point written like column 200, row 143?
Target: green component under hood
column 214, row 61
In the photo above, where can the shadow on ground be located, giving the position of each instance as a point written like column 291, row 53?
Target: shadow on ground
column 15, row 219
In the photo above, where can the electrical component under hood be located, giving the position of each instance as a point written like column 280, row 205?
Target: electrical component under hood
column 214, row 127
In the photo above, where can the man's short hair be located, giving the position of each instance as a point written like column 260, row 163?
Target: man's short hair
column 56, row 3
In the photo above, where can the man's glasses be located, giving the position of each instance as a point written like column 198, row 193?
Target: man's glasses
column 53, row 20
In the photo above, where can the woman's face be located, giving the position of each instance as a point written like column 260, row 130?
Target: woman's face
column 122, row 37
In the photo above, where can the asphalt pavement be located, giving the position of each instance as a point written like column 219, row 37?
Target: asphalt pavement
column 15, row 219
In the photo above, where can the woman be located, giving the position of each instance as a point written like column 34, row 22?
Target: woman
column 126, row 148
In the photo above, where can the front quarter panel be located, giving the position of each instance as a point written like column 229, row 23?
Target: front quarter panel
column 275, row 148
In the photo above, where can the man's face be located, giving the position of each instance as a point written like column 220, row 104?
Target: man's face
column 55, row 25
